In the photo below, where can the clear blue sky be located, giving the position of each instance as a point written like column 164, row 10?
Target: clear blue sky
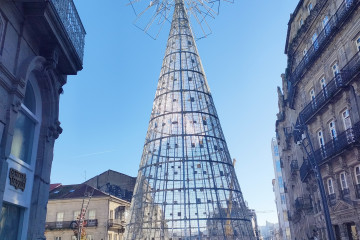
column 105, row 109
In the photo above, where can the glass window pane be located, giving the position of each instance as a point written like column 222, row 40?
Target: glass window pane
column 29, row 100
column 23, row 138
column 9, row 221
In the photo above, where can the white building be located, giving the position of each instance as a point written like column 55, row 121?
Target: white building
column 279, row 189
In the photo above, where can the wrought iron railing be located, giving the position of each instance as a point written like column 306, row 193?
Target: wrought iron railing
column 69, row 224
column 332, row 199
column 345, row 193
column 294, row 166
column 357, row 188
column 71, row 21
column 332, row 88
column 331, row 148
column 324, row 37
column 303, row 203
column 304, row 170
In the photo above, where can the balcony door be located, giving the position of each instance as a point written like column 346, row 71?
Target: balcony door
column 323, row 86
column 347, row 125
column 326, row 26
column 315, row 41
column 321, row 143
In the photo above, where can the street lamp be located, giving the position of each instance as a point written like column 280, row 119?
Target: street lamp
column 301, row 136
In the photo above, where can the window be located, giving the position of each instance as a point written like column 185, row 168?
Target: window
column 89, row 237
column 346, row 119
column 10, row 220
column 301, row 22
column 315, row 41
column 57, row 238
column 348, row 3
column 109, row 236
column 59, row 216
column 330, row 186
column 343, row 181
column 322, row 83
column 309, row 7
column 26, row 121
column 335, row 69
column 111, row 214
column 357, row 174
column 325, row 24
column 115, row 237
column 357, row 43
column 321, row 139
column 76, row 215
column 305, row 54
column 285, row 214
column 92, row 214
column 278, row 166
column 281, row 183
column 312, row 97
column 332, row 129
column 283, row 198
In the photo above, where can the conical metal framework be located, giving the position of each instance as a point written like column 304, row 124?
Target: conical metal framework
column 186, row 186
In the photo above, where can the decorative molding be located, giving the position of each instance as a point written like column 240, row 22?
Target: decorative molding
column 54, row 131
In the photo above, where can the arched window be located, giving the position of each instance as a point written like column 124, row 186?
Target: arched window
column 27, row 123
column 357, row 174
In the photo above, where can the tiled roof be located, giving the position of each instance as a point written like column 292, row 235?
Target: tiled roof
column 74, row 191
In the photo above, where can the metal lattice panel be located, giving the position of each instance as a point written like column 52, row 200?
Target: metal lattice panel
column 186, row 186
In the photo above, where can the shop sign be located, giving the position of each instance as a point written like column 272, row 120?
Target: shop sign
column 17, row 179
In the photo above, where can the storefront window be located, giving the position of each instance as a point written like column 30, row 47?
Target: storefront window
column 9, row 221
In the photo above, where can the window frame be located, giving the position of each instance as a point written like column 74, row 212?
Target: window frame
column 357, row 43
column 309, row 7
column 332, row 129
column 335, row 69
column 343, row 180
column 331, row 189
column 36, row 119
column 357, row 176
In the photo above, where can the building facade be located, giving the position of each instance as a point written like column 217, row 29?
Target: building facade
column 41, row 42
column 280, row 195
column 320, row 93
column 105, row 214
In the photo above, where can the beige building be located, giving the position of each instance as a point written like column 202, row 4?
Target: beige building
column 320, row 89
column 104, row 218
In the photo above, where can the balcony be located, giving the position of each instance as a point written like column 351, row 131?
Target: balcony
column 59, row 28
column 324, row 37
column 357, row 189
column 69, row 224
column 72, row 24
column 345, row 193
column 305, row 170
column 294, row 167
column 332, row 199
column 117, row 224
column 331, row 89
column 303, row 204
column 331, row 148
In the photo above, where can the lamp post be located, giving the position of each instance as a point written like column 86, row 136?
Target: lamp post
column 301, row 135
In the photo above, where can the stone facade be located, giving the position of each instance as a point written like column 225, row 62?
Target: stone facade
column 320, row 89
column 38, row 49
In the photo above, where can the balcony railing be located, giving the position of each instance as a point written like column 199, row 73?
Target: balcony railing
column 294, row 166
column 331, row 89
column 332, row 199
column 117, row 223
column 70, row 19
column 331, row 148
column 345, row 193
column 357, row 188
column 324, row 37
column 304, row 170
column 69, row 224
column 303, row 203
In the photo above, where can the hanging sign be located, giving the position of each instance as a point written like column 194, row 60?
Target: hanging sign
column 17, row 179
